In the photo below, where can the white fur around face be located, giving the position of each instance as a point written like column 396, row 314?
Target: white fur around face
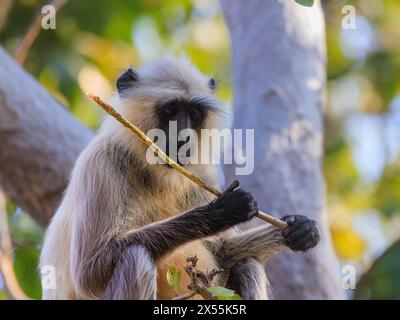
column 160, row 81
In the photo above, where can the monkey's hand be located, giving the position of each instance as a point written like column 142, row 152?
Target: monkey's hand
column 233, row 206
column 301, row 234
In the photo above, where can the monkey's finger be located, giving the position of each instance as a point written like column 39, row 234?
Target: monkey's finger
column 300, row 234
column 308, row 242
column 293, row 226
column 291, row 220
column 235, row 184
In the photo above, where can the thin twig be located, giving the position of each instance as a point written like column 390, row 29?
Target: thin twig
column 34, row 31
column 161, row 154
column 199, row 281
column 186, row 295
column 6, row 264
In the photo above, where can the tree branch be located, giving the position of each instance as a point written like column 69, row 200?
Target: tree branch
column 280, row 47
column 39, row 142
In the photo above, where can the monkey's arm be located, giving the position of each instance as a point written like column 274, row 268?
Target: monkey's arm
column 97, row 192
column 234, row 206
column 264, row 241
column 135, row 275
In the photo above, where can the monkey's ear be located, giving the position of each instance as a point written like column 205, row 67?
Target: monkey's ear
column 126, row 80
column 212, row 85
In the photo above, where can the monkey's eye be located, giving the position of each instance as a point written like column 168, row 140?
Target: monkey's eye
column 196, row 116
column 169, row 112
column 211, row 84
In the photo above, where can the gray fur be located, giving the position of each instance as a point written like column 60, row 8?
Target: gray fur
column 247, row 277
column 134, row 278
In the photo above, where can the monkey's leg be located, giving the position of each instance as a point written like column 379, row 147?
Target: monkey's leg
column 263, row 242
column 247, row 277
column 242, row 254
column 134, row 277
column 259, row 243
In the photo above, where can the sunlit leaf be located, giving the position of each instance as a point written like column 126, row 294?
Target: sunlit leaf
column 222, row 293
column 173, row 278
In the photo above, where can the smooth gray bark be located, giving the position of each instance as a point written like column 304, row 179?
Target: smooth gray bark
column 39, row 142
column 279, row 75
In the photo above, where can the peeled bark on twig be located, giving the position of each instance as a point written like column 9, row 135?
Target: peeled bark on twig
column 279, row 82
column 39, row 142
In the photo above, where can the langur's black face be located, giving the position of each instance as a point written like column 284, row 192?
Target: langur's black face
column 179, row 119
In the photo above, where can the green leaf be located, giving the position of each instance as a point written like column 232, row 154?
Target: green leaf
column 222, row 293
column 173, row 278
column 234, row 297
column 382, row 280
column 307, row 3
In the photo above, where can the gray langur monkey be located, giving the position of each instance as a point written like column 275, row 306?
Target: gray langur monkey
column 123, row 222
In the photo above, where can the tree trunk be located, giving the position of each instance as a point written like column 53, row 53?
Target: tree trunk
column 39, row 142
column 279, row 82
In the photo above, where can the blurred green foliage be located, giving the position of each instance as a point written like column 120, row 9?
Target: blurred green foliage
column 94, row 42
column 362, row 120
column 383, row 278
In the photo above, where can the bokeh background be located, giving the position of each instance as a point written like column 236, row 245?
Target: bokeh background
column 95, row 41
